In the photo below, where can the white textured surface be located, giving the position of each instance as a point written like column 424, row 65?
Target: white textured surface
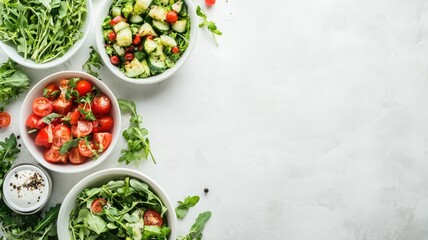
column 309, row 121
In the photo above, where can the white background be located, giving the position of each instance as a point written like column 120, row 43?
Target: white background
column 308, row 121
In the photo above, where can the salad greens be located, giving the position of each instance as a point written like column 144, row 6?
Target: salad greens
column 42, row 30
column 198, row 227
column 183, row 207
column 118, row 210
column 22, row 227
column 12, row 81
column 136, row 137
column 94, row 61
column 209, row 24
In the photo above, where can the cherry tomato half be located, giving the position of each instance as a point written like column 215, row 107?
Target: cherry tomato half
column 75, row 157
column 34, row 121
column 103, row 124
column 116, row 20
column 61, row 134
column 152, row 218
column 102, row 140
column 51, row 91
column 61, row 105
column 175, row 49
column 52, row 155
column 98, row 204
column 4, row 119
column 74, row 116
column 136, row 40
column 129, row 56
column 209, row 3
column 171, row 17
column 83, row 128
column 44, row 136
column 42, row 106
column 83, row 87
column 86, row 150
column 101, row 105
column 115, row 60
column 112, row 36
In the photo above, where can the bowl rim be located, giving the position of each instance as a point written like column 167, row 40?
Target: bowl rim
column 105, row 176
column 99, row 42
column 12, row 52
column 33, row 149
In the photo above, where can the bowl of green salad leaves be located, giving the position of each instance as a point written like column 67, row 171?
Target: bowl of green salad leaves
column 117, row 203
column 146, row 41
column 43, row 34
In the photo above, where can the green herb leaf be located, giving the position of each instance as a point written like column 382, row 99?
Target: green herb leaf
column 49, row 118
column 50, row 217
column 94, row 61
column 198, row 227
column 209, row 24
column 12, row 81
column 183, row 207
column 68, row 145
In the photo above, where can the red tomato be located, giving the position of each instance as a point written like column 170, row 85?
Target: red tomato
column 98, row 204
column 209, row 3
column 129, row 56
column 101, row 105
column 149, row 37
column 52, row 155
column 175, row 49
column 61, row 105
column 152, row 218
column 86, row 107
column 51, row 91
column 4, row 119
column 44, row 136
column 34, row 121
column 137, row 39
column 102, row 140
column 171, row 17
column 115, row 60
column 86, row 150
column 111, row 36
column 83, row 128
column 42, row 106
column 103, row 124
column 74, row 116
column 83, row 87
column 61, row 134
column 116, row 20
column 75, row 157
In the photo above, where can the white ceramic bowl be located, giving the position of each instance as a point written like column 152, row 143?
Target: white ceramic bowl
column 102, row 177
column 37, row 151
column 103, row 13
column 11, row 51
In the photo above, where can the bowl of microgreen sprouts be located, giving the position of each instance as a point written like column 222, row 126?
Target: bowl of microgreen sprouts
column 43, row 34
column 145, row 41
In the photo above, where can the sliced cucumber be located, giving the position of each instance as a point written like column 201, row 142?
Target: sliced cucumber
column 180, row 8
column 124, row 37
column 158, row 13
column 141, row 6
column 134, row 68
column 118, row 50
column 146, row 29
column 136, row 18
column 168, row 41
column 146, row 68
column 150, row 45
column 180, row 25
column 160, row 26
column 116, row 11
column 119, row 26
column 156, row 63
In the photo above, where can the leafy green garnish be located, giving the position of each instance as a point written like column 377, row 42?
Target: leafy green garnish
column 136, row 137
column 94, row 61
column 209, row 24
column 42, row 30
column 68, row 145
column 12, row 81
column 198, row 227
column 183, row 207
column 51, row 117
column 8, row 154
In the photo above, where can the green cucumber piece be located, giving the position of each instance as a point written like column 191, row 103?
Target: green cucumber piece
column 147, row 29
column 180, row 26
column 124, row 37
column 160, row 26
column 168, row 41
column 136, row 18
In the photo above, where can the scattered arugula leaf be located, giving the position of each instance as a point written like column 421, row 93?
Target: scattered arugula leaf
column 136, row 137
column 198, row 227
column 12, row 82
column 183, row 207
column 8, row 155
column 94, row 61
column 51, row 117
column 68, row 145
column 209, row 24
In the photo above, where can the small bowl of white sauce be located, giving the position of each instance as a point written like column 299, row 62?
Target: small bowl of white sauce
column 27, row 188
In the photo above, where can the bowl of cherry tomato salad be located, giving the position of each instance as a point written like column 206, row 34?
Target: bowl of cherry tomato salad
column 146, row 41
column 70, row 122
column 124, row 204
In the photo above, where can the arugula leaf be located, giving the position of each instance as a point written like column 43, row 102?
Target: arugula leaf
column 136, row 137
column 50, row 217
column 94, row 61
column 183, row 207
column 68, row 145
column 198, row 227
column 8, row 154
column 49, row 118
column 12, row 82
column 209, row 24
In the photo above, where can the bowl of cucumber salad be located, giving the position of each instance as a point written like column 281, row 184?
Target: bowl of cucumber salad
column 146, row 41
